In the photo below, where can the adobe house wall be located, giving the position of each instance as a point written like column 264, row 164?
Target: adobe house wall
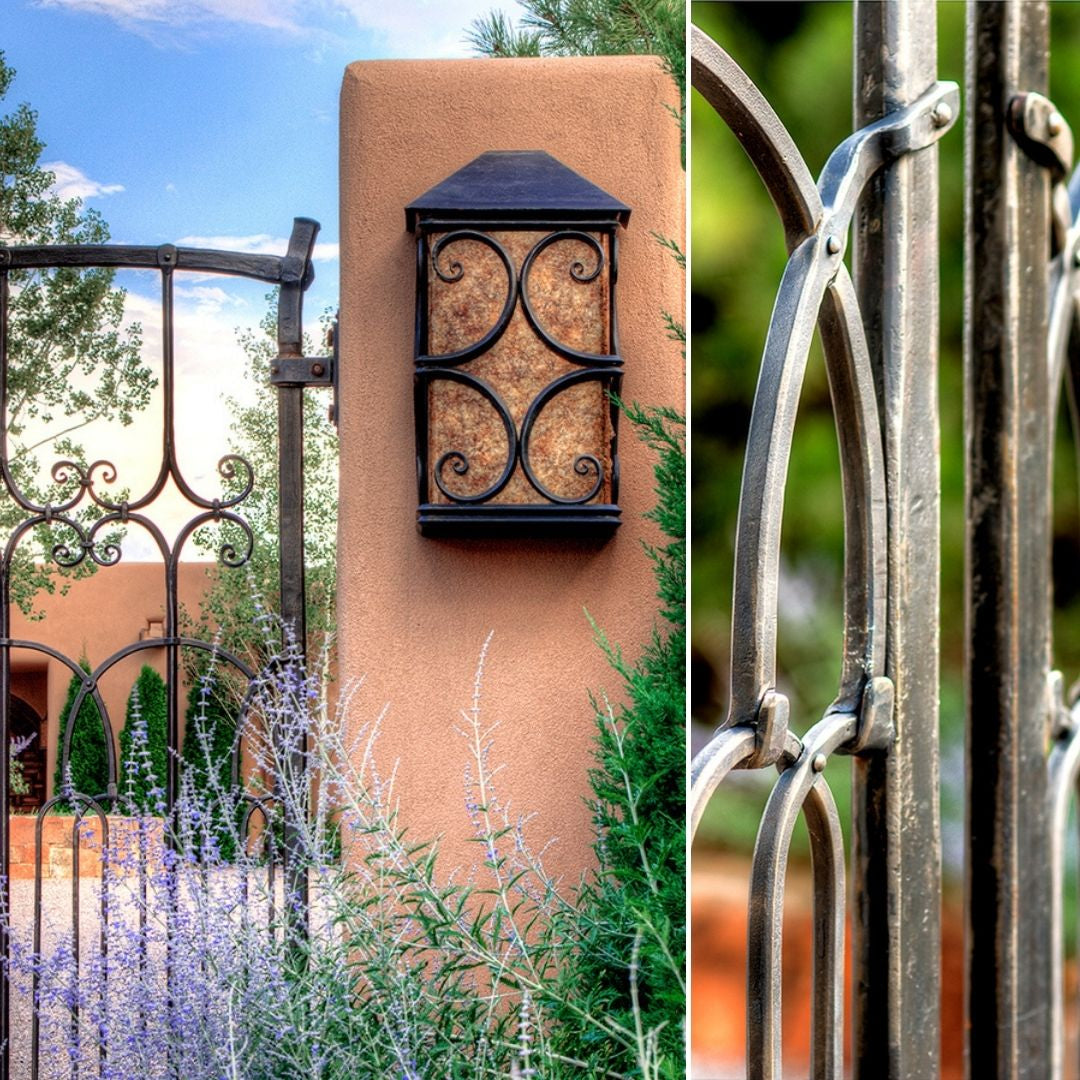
column 99, row 615
column 413, row 612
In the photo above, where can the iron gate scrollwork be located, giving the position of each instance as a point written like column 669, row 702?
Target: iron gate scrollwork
column 80, row 488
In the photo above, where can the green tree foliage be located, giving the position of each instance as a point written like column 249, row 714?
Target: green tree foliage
column 71, row 360
column 590, row 28
column 144, row 759
column 88, row 762
column 631, row 915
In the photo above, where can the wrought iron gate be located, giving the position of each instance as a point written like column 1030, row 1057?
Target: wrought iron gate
column 81, row 490
column 1022, row 341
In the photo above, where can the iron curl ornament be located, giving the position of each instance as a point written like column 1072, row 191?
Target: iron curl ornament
column 517, row 361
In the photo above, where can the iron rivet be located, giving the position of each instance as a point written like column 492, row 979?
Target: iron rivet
column 832, row 245
column 819, row 763
column 941, row 114
column 274, row 369
column 317, row 369
column 1055, row 123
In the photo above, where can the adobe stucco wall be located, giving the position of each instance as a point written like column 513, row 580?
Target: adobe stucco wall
column 99, row 615
column 414, row 612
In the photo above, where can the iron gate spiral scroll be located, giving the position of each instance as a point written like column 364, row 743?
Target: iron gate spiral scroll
column 81, row 489
column 1022, row 352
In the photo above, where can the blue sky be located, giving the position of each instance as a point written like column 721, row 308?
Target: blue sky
column 209, row 123
column 186, row 119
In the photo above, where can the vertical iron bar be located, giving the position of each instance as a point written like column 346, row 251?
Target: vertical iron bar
column 5, row 706
column 166, row 259
column 35, row 979
column 1007, row 426
column 896, row 859
column 76, row 1042
column 295, row 279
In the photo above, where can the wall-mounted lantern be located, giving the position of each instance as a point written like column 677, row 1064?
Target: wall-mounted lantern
column 516, row 350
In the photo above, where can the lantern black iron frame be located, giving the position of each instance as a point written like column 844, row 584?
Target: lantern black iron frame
column 553, row 515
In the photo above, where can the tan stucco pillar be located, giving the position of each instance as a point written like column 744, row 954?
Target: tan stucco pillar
column 414, row 612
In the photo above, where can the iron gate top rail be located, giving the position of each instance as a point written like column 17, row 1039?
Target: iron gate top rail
column 273, row 269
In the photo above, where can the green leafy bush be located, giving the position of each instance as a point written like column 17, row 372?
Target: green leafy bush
column 142, row 785
column 88, row 762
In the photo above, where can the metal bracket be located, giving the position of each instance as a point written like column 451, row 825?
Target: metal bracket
column 852, row 164
column 302, row 371
column 1041, row 130
column 1044, row 135
column 311, row 370
column 771, row 729
column 875, row 730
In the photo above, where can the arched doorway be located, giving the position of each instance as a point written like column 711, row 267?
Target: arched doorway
column 27, row 725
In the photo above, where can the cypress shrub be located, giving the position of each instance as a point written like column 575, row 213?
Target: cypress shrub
column 144, row 761
column 89, row 760
column 209, row 738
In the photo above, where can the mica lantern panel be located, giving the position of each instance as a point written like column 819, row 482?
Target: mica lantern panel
column 570, row 441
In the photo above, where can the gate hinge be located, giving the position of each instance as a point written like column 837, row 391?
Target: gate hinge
column 310, row 370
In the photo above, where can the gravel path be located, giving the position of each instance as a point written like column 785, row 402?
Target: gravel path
column 57, row 897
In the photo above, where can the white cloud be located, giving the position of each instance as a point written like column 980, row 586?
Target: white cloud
column 419, row 28
column 208, row 299
column 140, row 14
column 71, row 182
column 257, row 244
column 416, row 28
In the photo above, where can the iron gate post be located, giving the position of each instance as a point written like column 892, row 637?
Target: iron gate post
column 896, row 859
column 1007, row 425
column 291, row 533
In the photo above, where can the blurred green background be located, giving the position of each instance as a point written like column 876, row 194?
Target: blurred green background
column 800, row 57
